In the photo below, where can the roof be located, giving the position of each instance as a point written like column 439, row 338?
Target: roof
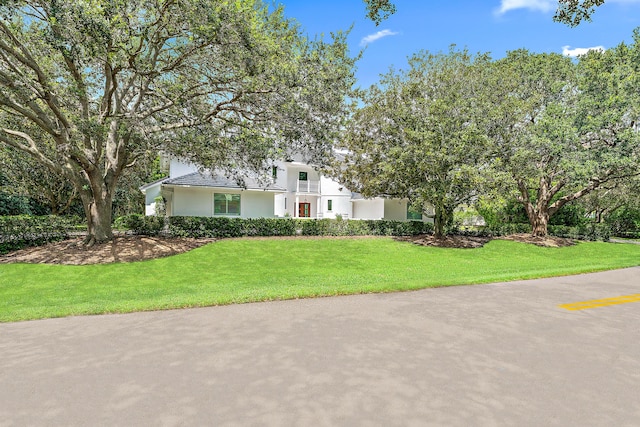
column 197, row 179
column 145, row 187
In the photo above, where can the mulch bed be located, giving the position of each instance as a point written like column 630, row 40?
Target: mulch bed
column 138, row 248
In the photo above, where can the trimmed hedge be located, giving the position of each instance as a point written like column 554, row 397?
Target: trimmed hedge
column 218, row 227
column 221, row 227
column 581, row 232
column 628, row 234
column 17, row 232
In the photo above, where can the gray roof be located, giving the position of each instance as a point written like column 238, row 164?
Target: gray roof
column 197, row 179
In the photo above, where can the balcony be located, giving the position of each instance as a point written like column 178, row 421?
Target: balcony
column 308, row 187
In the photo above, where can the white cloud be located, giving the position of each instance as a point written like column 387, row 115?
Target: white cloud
column 577, row 51
column 538, row 5
column 373, row 37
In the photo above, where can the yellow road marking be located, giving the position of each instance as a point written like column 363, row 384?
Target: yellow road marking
column 594, row 303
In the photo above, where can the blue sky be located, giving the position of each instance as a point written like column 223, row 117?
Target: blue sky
column 494, row 26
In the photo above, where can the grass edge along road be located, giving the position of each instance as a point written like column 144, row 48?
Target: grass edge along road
column 249, row 270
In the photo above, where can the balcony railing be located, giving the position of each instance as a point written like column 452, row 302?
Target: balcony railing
column 308, row 187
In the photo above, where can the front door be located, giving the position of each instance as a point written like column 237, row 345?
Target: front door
column 304, row 210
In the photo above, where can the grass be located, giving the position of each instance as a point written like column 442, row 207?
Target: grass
column 245, row 270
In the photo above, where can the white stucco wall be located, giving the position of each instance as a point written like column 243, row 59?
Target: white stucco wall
column 292, row 174
column 368, row 209
column 180, row 167
column 150, row 195
column 194, row 201
column 256, row 204
column 395, row 209
column 341, row 206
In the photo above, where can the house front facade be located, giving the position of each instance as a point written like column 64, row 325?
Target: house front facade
column 296, row 190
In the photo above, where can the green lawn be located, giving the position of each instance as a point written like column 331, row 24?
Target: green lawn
column 234, row 271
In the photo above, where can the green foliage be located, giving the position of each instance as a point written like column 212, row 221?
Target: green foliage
column 624, row 222
column 17, row 232
column 14, row 205
column 223, row 227
column 141, row 224
column 573, row 12
column 88, row 89
column 418, row 134
column 379, row 10
column 332, row 227
column 582, row 232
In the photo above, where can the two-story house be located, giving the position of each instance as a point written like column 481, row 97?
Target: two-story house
column 296, row 190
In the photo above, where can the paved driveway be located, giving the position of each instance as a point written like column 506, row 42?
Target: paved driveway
column 499, row 354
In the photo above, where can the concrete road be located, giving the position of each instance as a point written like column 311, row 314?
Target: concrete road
column 499, row 354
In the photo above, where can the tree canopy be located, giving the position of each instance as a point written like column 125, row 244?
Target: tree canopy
column 227, row 84
column 454, row 127
column 419, row 135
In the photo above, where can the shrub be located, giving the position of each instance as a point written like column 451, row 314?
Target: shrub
column 582, row 232
column 221, row 227
column 21, row 231
column 141, row 224
column 624, row 220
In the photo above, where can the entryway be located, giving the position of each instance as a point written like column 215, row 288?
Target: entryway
column 304, row 210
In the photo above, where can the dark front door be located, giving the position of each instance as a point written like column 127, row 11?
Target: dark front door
column 304, row 210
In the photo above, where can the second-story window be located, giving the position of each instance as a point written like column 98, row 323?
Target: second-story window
column 302, row 176
column 274, row 172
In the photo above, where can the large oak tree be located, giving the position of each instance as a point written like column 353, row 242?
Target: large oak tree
column 419, row 135
column 228, row 84
column 561, row 129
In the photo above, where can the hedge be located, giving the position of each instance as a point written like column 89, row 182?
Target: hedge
column 20, row 231
column 220, row 227
column 580, row 232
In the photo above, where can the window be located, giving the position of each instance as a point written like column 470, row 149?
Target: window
column 412, row 214
column 329, row 205
column 302, row 176
column 226, row 204
column 274, row 172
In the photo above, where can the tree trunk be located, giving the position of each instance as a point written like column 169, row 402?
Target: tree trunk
column 98, row 209
column 540, row 222
column 439, row 222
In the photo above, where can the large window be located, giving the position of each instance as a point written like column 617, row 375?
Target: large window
column 413, row 215
column 226, row 204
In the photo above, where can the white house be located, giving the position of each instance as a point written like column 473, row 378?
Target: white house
column 296, row 190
